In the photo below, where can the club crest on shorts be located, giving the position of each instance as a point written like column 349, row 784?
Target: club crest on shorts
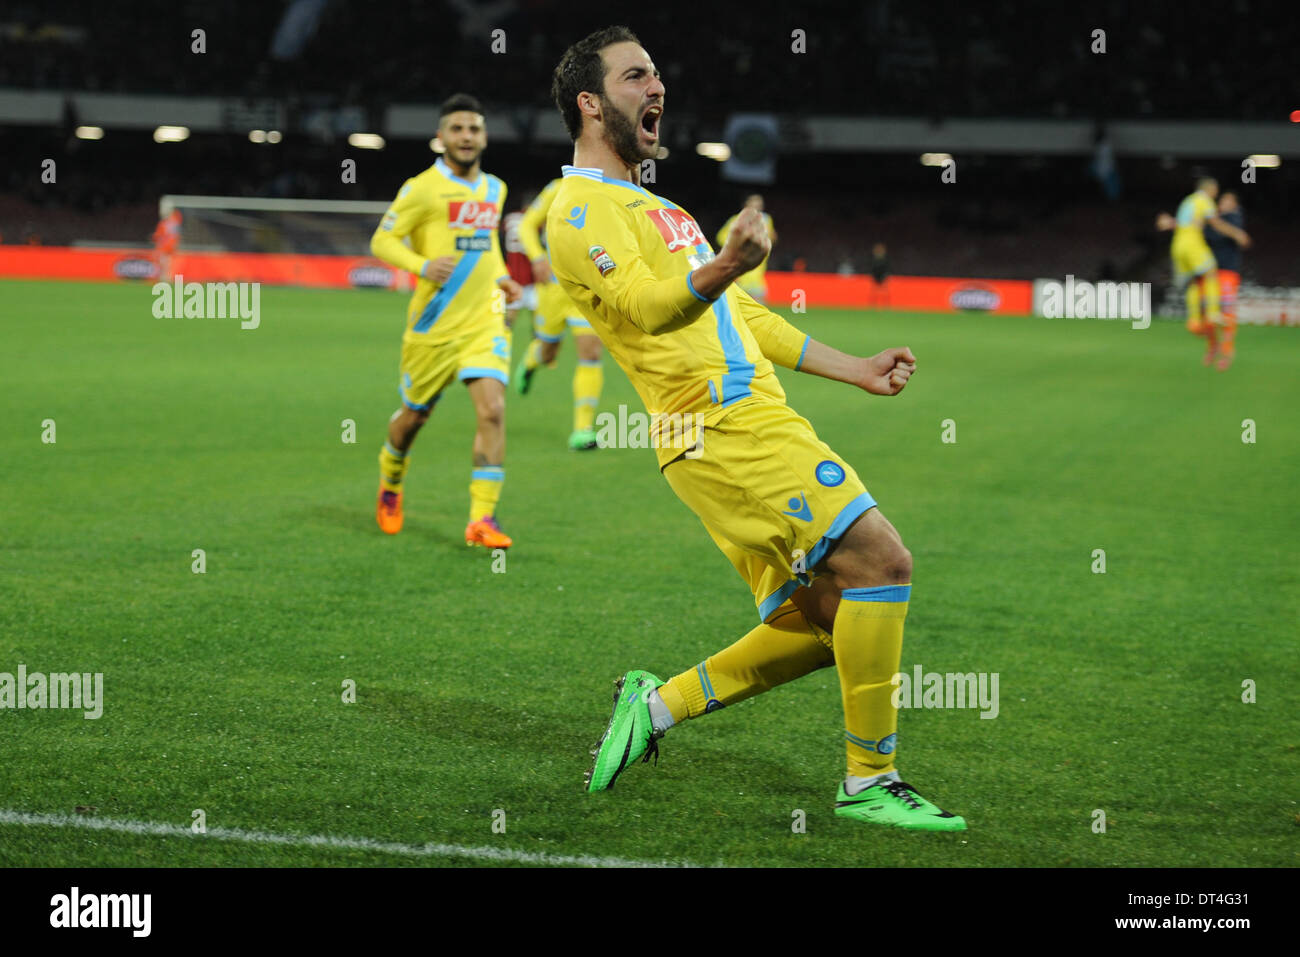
column 601, row 258
column 830, row 473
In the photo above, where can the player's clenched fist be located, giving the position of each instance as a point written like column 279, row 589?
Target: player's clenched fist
column 438, row 270
column 513, row 291
column 887, row 372
column 748, row 243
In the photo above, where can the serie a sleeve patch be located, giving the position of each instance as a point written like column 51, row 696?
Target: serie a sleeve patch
column 604, row 262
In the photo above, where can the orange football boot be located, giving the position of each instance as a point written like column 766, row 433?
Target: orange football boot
column 388, row 511
column 487, row 532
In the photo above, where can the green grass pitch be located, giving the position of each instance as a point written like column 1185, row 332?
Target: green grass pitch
column 478, row 691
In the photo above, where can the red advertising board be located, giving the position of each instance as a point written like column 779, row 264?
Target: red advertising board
column 815, row 290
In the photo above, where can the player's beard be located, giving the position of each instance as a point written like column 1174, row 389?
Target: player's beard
column 456, row 157
column 623, row 135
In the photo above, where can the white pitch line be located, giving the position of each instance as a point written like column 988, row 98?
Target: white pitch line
column 502, row 855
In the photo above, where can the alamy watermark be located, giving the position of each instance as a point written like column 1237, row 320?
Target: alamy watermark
column 659, row 430
column 72, row 690
column 208, row 300
column 1081, row 299
column 933, row 689
column 76, row 909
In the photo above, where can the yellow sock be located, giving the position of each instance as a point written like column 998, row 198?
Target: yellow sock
column 533, row 357
column 485, row 490
column 770, row 655
column 1211, row 293
column 588, row 380
column 1193, row 305
column 392, row 467
column 868, row 648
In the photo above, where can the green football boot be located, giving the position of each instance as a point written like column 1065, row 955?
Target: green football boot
column 523, row 377
column 896, row 804
column 630, row 734
column 582, row 439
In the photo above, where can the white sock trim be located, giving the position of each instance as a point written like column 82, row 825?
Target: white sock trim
column 855, row 785
column 661, row 719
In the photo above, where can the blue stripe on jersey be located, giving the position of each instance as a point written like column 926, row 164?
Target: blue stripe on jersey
column 443, row 297
column 740, row 371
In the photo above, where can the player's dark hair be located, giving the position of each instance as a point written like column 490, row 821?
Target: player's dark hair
column 458, row 102
column 582, row 70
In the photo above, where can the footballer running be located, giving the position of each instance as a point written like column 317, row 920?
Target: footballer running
column 455, row 323
column 555, row 312
column 830, row 576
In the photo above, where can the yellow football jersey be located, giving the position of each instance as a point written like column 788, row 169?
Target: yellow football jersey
column 625, row 257
column 534, row 221
column 444, row 215
column 1193, row 211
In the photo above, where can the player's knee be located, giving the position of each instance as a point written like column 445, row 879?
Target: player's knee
column 492, row 412
column 896, row 566
column 409, row 420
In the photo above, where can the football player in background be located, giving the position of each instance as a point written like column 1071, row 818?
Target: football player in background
column 879, row 276
column 1227, row 253
column 455, row 325
column 555, row 312
column 829, row 574
column 1194, row 265
column 753, row 282
column 166, row 240
column 517, row 265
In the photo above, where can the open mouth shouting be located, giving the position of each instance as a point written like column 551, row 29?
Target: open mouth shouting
column 650, row 123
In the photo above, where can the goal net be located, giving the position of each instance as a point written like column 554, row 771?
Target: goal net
column 239, row 224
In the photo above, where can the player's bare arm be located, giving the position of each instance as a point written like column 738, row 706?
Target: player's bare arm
column 885, row 373
column 747, row 246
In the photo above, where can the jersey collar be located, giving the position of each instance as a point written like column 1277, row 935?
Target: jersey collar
column 592, row 172
column 442, row 167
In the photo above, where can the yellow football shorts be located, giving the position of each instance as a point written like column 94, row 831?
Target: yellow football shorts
column 1192, row 257
column 428, row 368
column 555, row 311
column 774, row 497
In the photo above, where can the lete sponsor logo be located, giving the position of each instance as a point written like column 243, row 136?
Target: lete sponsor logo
column 971, row 296
column 472, row 214
column 677, row 228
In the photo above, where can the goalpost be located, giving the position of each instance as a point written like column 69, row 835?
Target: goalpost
column 242, row 224
column 319, row 243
